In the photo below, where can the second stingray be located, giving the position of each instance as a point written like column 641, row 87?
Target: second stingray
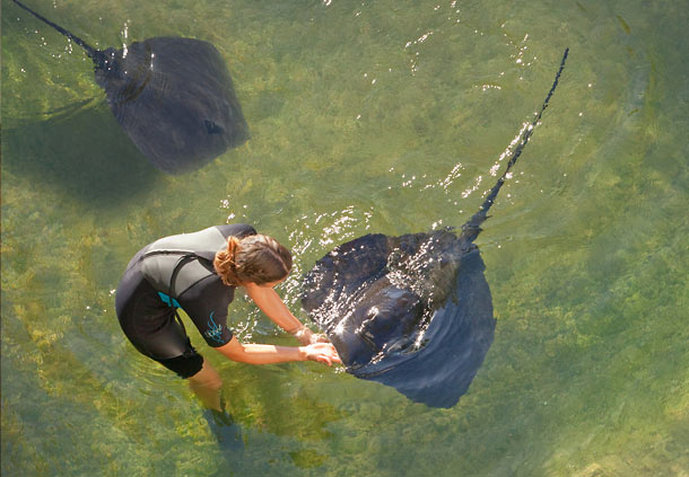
column 414, row 312
column 173, row 97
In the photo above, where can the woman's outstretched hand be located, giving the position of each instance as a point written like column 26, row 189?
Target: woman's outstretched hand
column 306, row 337
column 319, row 338
column 322, row 353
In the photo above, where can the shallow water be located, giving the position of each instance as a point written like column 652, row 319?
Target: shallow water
column 365, row 116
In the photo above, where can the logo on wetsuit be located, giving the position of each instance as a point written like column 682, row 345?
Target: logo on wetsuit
column 214, row 331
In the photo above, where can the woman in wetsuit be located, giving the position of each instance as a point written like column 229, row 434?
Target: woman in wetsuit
column 198, row 272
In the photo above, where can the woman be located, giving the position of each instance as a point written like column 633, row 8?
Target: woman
column 199, row 272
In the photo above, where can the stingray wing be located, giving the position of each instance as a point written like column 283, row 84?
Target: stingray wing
column 450, row 346
column 453, row 346
column 175, row 100
column 336, row 277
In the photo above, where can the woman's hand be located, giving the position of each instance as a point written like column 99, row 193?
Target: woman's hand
column 306, row 337
column 254, row 353
column 322, row 353
column 319, row 338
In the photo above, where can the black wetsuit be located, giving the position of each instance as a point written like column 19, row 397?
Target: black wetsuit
column 177, row 272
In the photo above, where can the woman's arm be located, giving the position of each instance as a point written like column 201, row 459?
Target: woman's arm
column 270, row 303
column 269, row 354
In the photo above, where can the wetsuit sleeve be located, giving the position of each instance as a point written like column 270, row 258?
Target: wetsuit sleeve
column 236, row 230
column 206, row 304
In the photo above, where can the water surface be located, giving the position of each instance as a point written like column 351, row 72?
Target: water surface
column 379, row 116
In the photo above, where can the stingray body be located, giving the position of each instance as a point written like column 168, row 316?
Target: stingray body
column 414, row 312
column 172, row 96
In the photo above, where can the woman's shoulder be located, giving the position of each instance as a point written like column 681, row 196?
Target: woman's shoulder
column 236, row 230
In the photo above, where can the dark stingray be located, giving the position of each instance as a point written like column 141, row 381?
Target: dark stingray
column 173, row 97
column 415, row 311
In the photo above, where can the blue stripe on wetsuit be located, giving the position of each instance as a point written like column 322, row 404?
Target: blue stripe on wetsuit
column 166, row 300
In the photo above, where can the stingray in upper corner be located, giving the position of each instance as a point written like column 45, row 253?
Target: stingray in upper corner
column 414, row 312
column 173, row 97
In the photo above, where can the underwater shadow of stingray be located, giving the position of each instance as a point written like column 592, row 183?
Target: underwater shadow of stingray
column 413, row 312
column 39, row 151
column 172, row 96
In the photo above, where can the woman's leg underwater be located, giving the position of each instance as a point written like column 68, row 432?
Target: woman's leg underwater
column 206, row 385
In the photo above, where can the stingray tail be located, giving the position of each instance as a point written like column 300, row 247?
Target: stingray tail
column 472, row 228
column 92, row 52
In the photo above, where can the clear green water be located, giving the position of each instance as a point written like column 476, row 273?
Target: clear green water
column 365, row 116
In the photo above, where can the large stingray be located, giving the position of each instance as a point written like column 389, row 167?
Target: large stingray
column 415, row 311
column 173, row 97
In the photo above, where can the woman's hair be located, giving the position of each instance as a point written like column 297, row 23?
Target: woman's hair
column 255, row 258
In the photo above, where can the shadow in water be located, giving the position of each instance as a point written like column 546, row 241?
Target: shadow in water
column 85, row 154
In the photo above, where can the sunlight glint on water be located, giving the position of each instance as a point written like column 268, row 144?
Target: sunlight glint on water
column 365, row 117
